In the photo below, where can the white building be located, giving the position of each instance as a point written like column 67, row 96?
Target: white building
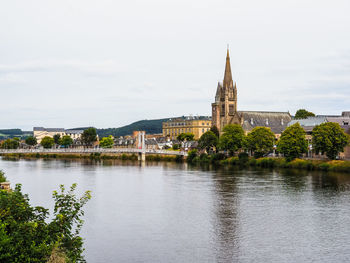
column 40, row 132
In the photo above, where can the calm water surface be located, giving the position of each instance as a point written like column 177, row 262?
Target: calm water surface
column 175, row 213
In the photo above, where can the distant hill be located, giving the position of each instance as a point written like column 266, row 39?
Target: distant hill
column 10, row 133
column 150, row 126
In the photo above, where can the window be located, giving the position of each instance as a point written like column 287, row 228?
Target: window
column 230, row 109
column 203, row 130
column 346, row 123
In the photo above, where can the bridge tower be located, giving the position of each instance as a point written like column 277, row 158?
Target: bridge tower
column 141, row 146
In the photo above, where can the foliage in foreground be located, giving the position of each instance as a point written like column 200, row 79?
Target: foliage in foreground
column 2, row 177
column 26, row 235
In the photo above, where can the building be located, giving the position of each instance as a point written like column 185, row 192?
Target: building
column 40, row 132
column 196, row 125
column 309, row 124
column 224, row 109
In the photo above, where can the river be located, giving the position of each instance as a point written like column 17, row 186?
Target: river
column 170, row 212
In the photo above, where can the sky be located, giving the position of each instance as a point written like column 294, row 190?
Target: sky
column 107, row 63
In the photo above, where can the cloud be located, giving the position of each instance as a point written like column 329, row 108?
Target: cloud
column 103, row 67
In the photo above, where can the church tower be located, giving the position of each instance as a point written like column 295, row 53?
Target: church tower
column 224, row 109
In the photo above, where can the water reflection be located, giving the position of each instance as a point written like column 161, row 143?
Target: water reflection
column 168, row 212
column 225, row 220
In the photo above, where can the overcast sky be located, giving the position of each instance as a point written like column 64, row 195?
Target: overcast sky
column 107, row 63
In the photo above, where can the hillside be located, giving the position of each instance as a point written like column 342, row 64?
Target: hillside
column 150, row 126
column 10, row 133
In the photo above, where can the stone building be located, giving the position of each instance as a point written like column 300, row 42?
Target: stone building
column 40, row 132
column 196, row 125
column 224, row 109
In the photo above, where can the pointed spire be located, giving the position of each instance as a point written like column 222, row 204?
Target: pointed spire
column 228, row 75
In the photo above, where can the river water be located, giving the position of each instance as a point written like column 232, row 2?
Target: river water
column 174, row 213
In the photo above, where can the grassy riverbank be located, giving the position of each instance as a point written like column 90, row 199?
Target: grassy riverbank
column 92, row 156
column 268, row 162
column 217, row 159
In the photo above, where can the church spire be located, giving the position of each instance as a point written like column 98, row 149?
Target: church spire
column 228, row 75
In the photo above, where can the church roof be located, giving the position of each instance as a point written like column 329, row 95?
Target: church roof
column 276, row 121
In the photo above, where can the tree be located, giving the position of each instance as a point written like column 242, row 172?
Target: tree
column 27, row 235
column 303, row 114
column 260, row 141
column 215, row 130
column 47, row 142
column 208, row 141
column 176, row 147
column 89, row 136
column 10, row 143
column 2, row 177
column 31, row 141
column 185, row 137
column 232, row 138
column 57, row 138
column 66, row 141
column 329, row 138
column 292, row 142
column 107, row 142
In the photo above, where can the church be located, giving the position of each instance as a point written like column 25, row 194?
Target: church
column 224, row 109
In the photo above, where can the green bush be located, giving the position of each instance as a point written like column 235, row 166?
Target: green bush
column 192, row 154
column 243, row 158
column 204, row 158
column 27, row 235
column 176, row 147
column 2, row 177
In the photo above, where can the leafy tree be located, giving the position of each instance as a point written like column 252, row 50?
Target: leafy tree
column 208, row 141
column 260, row 141
column 185, row 137
column 47, row 142
column 66, row 141
column 107, row 142
column 10, row 143
column 215, row 130
column 27, row 235
column 329, row 138
column 292, row 142
column 176, row 147
column 31, row 141
column 303, row 114
column 89, row 136
column 57, row 138
column 232, row 138
column 2, row 177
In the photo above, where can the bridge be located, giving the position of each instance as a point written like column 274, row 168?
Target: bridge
column 94, row 150
column 140, row 150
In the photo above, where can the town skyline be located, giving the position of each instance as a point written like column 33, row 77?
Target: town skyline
column 119, row 68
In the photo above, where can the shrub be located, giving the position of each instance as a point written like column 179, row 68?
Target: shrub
column 27, row 234
column 204, row 158
column 243, row 158
column 176, row 147
column 2, row 177
column 191, row 156
column 217, row 157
